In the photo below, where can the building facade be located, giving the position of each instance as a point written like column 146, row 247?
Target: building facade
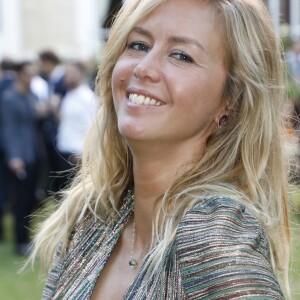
column 286, row 12
column 69, row 27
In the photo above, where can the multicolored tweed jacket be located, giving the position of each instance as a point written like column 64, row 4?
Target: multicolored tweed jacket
column 220, row 252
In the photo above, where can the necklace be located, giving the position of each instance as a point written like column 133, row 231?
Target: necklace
column 134, row 262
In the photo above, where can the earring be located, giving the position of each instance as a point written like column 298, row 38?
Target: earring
column 223, row 120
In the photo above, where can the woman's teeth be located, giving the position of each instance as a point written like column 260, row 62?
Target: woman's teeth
column 140, row 99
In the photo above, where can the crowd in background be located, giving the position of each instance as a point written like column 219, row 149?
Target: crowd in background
column 46, row 108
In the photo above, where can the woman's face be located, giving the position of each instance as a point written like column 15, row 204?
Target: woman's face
column 168, row 83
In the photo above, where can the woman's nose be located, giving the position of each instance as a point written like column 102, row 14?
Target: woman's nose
column 148, row 68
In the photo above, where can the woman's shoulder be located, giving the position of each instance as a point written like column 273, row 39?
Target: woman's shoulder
column 221, row 218
column 221, row 211
column 221, row 246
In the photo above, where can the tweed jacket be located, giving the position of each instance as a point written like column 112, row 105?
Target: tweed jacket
column 220, row 251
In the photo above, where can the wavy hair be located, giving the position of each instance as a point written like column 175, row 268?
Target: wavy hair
column 244, row 159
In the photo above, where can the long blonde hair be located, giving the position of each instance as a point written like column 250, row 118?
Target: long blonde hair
column 244, row 159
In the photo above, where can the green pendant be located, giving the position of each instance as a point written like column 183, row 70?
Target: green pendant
column 133, row 263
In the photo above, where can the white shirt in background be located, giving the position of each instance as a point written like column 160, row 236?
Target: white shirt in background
column 40, row 88
column 77, row 112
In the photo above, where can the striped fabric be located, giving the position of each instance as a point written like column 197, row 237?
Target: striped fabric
column 220, row 252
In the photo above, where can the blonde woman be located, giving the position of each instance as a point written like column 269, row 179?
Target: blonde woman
column 182, row 190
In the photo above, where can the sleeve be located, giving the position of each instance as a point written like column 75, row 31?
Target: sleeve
column 53, row 277
column 223, row 253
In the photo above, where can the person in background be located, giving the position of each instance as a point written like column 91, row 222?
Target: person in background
column 75, row 118
column 21, row 149
column 182, row 191
column 52, row 70
column 40, row 87
column 7, row 77
column 7, row 74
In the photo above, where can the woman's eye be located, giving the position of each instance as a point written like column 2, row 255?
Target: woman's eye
column 139, row 46
column 183, row 57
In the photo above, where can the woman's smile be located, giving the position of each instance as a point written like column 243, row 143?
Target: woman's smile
column 142, row 100
column 143, row 97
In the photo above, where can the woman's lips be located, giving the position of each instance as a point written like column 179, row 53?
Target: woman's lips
column 142, row 97
column 142, row 100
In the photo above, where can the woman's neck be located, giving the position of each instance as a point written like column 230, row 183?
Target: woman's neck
column 154, row 172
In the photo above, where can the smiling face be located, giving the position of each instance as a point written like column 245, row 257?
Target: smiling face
column 169, row 81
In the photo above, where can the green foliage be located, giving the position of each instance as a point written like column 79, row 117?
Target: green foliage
column 295, row 261
column 287, row 42
column 291, row 90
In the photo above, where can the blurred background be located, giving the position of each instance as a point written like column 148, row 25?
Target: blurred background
column 72, row 28
column 49, row 54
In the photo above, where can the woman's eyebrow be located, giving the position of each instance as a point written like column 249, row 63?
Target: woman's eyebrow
column 172, row 39
column 186, row 40
column 142, row 31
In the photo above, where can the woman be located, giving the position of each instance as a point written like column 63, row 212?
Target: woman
column 182, row 190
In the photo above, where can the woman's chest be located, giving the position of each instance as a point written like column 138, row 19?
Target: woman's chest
column 115, row 279
column 95, row 267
